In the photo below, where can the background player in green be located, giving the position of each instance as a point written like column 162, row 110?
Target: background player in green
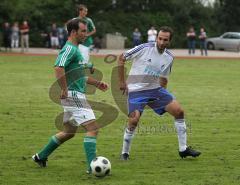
column 77, row 111
column 85, row 46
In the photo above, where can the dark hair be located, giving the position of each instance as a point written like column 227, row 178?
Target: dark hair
column 167, row 29
column 73, row 24
column 81, row 7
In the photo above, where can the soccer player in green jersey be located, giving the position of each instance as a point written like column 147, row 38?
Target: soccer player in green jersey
column 85, row 46
column 69, row 70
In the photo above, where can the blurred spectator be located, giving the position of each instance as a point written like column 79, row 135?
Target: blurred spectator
column 15, row 35
column 203, row 44
column 152, row 34
column 54, row 36
column 24, row 30
column 191, row 37
column 97, row 43
column 62, row 36
column 46, row 39
column 136, row 37
column 7, row 36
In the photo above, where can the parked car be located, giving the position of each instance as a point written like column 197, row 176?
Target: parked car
column 227, row 41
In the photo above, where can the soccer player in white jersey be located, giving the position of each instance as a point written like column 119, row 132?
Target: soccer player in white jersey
column 146, row 85
column 69, row 71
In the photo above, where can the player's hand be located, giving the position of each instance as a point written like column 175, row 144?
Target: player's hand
column 92, row 69
column 102, row 86
column 123, row 87
column 64, row 94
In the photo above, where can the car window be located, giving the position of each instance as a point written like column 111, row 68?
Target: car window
column 231, row 36
column 227, row 36
column 235, row 36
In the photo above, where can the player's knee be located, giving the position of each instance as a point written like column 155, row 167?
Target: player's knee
column 68, row 136
column 134, row 118
column 92, row 133
column 179, row 114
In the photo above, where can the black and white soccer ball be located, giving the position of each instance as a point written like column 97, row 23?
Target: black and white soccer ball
column 100, row 166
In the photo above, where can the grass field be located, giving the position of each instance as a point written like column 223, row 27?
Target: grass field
column 207, row 89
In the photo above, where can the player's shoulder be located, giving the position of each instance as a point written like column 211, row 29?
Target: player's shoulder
column 146, row 45
column 69, row 49
column 88, row 19
column 168, row 53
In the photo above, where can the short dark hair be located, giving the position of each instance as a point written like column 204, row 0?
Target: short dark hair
column 73, row 24
column 167, row 29
column 81, row 7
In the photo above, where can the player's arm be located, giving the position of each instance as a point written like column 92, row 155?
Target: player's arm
column 163, row 82
column 91, row 32
column 92, row 29
column 61, row 78
column 98, row 84
column 122, row 83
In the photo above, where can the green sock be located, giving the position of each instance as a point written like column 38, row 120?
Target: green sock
column 49, row 148
column 90, row 149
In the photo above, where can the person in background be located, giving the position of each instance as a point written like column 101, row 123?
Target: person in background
column 91, row 30
column 203, row 44
column 62, row 36
column 15, row 35
column 152, row 34
column 136, row 37
column 54, row 36
column 24, row 30
column 191, row 38
column 7, row 36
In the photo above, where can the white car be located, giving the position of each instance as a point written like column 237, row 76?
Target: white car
column 227, row 41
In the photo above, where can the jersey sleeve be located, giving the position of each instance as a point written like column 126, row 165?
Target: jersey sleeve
column 91, row 25
column 134, row 52
column 65, row 56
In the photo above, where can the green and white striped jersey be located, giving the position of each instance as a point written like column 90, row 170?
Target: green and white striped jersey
column 71, row 60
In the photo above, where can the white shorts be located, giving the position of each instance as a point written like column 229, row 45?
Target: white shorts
column 54, row 41
column 76, row 109
column 84, row 50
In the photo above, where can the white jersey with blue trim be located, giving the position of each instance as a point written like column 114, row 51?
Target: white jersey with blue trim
column 147, row 66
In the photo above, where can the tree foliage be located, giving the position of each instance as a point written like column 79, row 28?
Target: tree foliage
column 125, row 15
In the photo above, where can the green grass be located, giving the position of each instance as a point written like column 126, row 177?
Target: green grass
column 207, row 89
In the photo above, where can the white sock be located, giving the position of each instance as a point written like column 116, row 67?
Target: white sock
column 127, row 138
column 182, row 135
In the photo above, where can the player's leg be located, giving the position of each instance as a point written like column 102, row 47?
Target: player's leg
column 54, row 142
column 27, row 41
column 90, row 141
column 22, row 43
column 201, row 47
column 136, row 103
column 129, row 133
column 177, row 112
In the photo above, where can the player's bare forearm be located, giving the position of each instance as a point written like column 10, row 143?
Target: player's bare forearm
column 61, row 78
column 121, row 77
column 121, row 62
column 100, row 85
column 163, row 82
column 92, row 81
column 60, row 75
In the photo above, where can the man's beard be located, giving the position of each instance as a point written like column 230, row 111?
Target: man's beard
column 161, row 50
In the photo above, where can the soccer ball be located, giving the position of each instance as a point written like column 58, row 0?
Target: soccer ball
column 100, row 166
